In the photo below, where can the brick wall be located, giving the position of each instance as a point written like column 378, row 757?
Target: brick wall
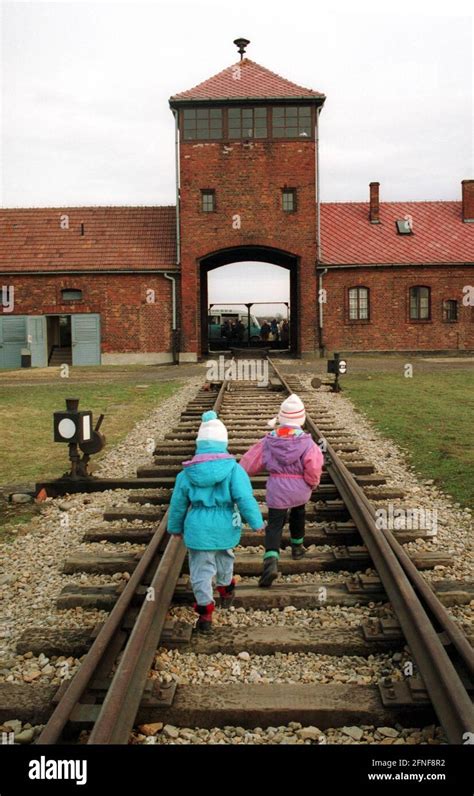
column 248, row 179
column 128, row 322
column 390, row 327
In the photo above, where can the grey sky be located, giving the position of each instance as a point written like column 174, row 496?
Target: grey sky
column 85, row 90
column 250, row 282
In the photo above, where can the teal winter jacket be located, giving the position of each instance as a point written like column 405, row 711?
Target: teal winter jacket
column 211, row 497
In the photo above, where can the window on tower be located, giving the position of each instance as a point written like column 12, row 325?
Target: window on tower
column 202, row 123
column 247, row 122
column 208, row 200
column 291, row 121
column 288, row 200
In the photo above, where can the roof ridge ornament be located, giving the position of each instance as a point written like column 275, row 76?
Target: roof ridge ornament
column 241, row 44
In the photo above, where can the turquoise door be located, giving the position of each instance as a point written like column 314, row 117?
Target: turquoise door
column 37, row 340
column 12, row 340
column 85, row 335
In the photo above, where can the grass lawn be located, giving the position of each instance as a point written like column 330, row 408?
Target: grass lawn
column 28, row 452
column 429, row 416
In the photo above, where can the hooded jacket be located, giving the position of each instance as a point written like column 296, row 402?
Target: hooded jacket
column 294, row 463
column 211, row 497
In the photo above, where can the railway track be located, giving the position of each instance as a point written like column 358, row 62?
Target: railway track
column 112, row 689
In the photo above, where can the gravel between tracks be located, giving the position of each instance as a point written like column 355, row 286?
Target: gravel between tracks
column 189, row 668
column 293, row 733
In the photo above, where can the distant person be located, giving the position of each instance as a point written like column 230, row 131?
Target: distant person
column 240, row 331
column 284, row 333
column 274, row 330
column 265, row 331
column 226, row 330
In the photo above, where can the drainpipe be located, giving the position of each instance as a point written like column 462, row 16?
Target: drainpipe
column 320, row 309
column 174, row 325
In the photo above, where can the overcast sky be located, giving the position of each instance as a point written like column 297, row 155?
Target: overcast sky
column 86, row 88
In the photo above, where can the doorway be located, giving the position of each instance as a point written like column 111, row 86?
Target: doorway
column 73, row 339
column 59, row 333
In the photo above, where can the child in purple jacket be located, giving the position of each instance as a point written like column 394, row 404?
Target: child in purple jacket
column 294, row 463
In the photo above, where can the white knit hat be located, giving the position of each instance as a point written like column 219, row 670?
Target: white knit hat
column 292, row 412
column 212, row 429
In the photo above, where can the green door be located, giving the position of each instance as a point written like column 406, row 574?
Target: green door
column 37, row 340
column 12, row 340
column 85, row 335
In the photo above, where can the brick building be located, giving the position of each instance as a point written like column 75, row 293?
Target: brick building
column 129, row 284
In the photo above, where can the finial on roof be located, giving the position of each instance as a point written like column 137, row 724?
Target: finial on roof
column 241, row 44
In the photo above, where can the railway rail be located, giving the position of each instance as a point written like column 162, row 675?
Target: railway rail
column 112, row 686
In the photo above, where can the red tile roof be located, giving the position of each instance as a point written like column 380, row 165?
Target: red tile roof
column 247, row 80
column 439, row 234
column 114, row 238
column 145, row 237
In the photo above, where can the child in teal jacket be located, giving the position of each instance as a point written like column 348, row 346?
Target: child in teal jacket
column 212, row 495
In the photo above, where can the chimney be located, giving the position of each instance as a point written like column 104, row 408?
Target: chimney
column 374, row 203
column 468, row 200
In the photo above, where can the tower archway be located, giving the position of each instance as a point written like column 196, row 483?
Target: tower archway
column 248, row 254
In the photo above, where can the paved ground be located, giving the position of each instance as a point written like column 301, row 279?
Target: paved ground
column 357, row 363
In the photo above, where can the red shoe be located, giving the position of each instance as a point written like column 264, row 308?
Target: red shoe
column 204, row 623
column 227, row 594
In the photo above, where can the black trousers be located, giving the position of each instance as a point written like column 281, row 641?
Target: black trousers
column 276, row 521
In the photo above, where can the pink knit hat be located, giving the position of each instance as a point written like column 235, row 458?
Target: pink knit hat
column 292, row 413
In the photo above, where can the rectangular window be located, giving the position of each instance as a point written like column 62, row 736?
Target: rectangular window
column 291, row 121
column 358, row 304
column 69, row 294
column 419, row 303
column 208, row 200
column 288, row 198
column 202, row 123
column 247, row 122
column 450, row 310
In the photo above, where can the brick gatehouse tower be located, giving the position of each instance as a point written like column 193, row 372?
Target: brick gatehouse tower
column 247, row 177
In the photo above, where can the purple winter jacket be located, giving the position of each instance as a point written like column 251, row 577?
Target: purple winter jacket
column 294, row 464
